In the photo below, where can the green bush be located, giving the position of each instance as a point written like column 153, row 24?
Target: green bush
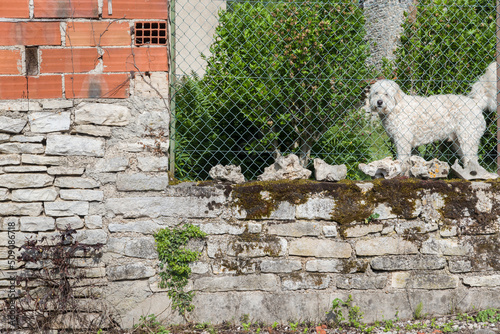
column 281, row 75
column 445, row 46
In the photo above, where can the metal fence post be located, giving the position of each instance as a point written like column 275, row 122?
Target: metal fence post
column 171, row 80
column 498, row 84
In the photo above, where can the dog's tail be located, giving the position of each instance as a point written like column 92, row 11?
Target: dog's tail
column 484, row 90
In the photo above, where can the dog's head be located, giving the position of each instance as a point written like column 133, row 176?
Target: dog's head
column 384, row 95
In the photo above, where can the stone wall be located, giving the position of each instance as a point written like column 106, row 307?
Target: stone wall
column 277, row 251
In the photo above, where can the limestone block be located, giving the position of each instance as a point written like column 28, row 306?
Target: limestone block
column 362, row 282
column 263, row 282
column 459, row 266
column 18, row 238
column 325, row 266
column 65, row 171
column 34, row 195
column 76, row 182
column 319, row 248
column 490, row 280
column 448, row 231
column 4, row 194
column 44, row 122
column 384, row 212
column 152, row 164
column 430, row 207
column 115, row 164
column 102, row 114
column 408, row 262
column 17, row 181
column 236, row 266
column 74, row 222
column 280, row 266
column 446, row 247
column 93, row 221
column 258, row 247
column 384, row 245
column 199, row 267
column 58, row 104
column 41, row 160
column 37, row 224
column 81, row 195
column 129, row 271
column 145, row 227
column 230, row 173
column 297, row 229
column 74, row 145
column 385, row 168
column 66, row 208
column 472, row 172
column 9, row 223
column 316, row 208
column 10, row 159
column 20, row 209
column 285, row 168
column 11, row 125
column 415, row 226
column 254, row 228
column 432, row 281
column 91, row 237
column 362, row 230
column 143, row 248
column 24, row 169
column 330, row 231
column 305, row 281
column 4, row 137
column 221, row 228
column 20, row 106
column 92, row 130
column 326, row 172
column 154, row 207
column 27, row 139
column 141, row 182
column 25, row 148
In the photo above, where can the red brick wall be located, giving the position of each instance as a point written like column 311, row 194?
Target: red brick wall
column 76, row 48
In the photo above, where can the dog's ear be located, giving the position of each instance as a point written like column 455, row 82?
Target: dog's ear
column 398, row 94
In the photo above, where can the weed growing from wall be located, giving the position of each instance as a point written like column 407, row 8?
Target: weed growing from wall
column 174, row 262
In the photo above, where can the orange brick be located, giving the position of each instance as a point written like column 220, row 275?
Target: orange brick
column 13, row 88
column 126, row 59
column 68, row 60
column 137, row 9
column 10, row 62
column 30, row 33
column 113, row 86
column 45, row 87
column 15, row 9
column 66, row 8
column 97, row 33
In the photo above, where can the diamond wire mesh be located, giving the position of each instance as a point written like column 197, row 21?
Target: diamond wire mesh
column 256, row 79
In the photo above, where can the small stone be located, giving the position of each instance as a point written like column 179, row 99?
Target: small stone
column 74, row 222
column 20, row 209
column 34, row 195
column 76, row 182
column 325, row 266
column 129, row 271
column 81, row 195
column 41, row 160
column 230, row 173
column 115, row 164
column 141, row 182
column 24, row 169
column 153, row 164
column 305, row 281
column 93, row 221
column 10, row 159
column 92, row 130
column 433, row 169
column 91, row 237
column 27, row 148
column 66, row 208
column 27, row 139
column 280, row 266
column 326, row 172
column 320, row 248
column 330, row 231
column 385, row 168
column 65, row 170
column 37, row 224
column 75, row 145
column 472, row 172
column 145, row 227
column 25, row 180
column 285, row 168
column 57, row 104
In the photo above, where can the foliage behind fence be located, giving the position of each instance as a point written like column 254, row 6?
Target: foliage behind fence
column 291, row 77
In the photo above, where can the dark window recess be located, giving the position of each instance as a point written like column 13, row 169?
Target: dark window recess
column 31, row 60
column 150, row 33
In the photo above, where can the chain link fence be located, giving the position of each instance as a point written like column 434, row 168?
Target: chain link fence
column 255, row 79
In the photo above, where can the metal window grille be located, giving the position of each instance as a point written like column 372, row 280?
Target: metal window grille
column 150, row 33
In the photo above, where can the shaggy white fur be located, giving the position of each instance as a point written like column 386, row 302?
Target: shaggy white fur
column 411, row 121
column 484, row 91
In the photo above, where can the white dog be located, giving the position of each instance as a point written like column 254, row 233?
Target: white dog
column 484, row 91
column 411, row 121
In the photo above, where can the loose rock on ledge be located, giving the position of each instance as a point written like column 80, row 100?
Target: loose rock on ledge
column 385, row 168
column 433, row 169
column 230, row 173
column 326, row 172
column 285, row 168
column 468, row 174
